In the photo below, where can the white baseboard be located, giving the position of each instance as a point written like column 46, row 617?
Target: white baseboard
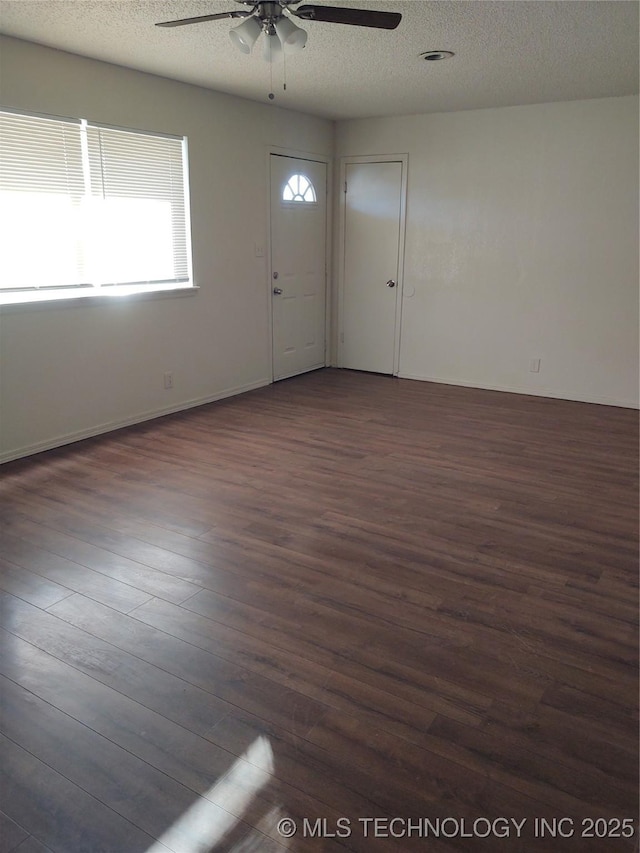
column 531, row 392
column 100, row 429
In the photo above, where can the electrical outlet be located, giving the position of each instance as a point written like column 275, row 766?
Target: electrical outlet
column 534, row 365
column 168, row 380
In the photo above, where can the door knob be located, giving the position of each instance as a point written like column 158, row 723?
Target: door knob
column 391, row 283
column 277, row 291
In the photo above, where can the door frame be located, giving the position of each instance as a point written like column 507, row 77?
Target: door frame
column 371, row 158
column 314, row 158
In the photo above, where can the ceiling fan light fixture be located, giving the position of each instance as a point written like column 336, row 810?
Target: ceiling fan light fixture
column 246, row 34
column 272, row 50
column 274, row 19
column 293, row 38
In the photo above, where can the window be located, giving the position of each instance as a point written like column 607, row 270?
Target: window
column 86, row 208
column 299, row 188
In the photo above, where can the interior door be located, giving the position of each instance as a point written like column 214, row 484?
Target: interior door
column 298, row 264
column 371, row 302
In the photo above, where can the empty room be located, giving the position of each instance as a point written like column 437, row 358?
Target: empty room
column 319, row 426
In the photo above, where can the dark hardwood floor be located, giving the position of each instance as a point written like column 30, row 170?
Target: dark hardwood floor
column 338, row 598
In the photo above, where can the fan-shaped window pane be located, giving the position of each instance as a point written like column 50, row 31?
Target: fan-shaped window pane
column 299, row 188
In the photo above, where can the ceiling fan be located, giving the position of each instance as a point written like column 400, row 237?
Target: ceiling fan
column 275, row 20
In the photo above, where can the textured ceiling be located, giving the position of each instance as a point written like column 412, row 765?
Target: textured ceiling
column 506, row 52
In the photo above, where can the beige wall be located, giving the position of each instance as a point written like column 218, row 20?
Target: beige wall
column 522, row 242
column 73, row 370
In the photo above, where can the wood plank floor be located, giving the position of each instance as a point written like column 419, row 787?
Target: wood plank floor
column 338, row 598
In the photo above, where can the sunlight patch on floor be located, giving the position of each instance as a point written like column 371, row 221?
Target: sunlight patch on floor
column 205, row 823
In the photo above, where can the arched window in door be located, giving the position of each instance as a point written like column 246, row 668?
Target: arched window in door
column 299, row 188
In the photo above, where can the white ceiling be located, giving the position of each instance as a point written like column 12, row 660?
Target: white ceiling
column 507, row 52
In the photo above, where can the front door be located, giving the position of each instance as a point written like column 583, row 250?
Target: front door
column 371, row 301
column 298, row 260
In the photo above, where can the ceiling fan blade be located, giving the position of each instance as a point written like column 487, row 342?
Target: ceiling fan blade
column 217, row 17
column 356, row 17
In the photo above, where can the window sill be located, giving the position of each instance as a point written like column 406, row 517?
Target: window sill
column 100, row 295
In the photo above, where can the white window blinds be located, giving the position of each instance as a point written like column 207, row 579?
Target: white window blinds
column 138, row 182
column 88, row 205
column 41, row 190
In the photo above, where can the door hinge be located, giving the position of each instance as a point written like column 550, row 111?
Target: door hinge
column 345, row 186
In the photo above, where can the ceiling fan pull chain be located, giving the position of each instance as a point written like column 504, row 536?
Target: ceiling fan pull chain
column 271, row 95
column 284, row 70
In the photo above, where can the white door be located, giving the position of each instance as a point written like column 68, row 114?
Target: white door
column 371, row 301
column 298, row 258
